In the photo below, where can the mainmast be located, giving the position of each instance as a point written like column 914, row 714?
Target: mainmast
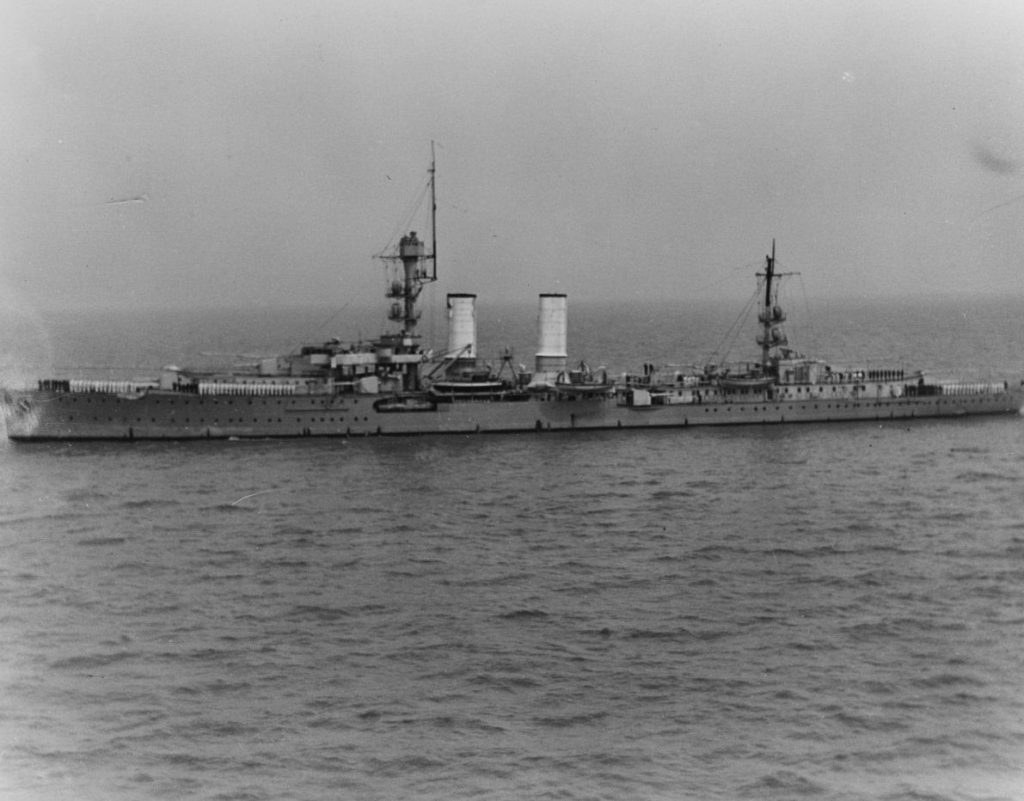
column 433, row 213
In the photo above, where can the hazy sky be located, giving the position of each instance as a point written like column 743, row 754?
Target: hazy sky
column 247, row 152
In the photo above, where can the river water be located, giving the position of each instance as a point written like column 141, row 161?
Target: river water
column 817, row 611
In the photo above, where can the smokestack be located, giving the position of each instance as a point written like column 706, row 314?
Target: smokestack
column 462, row 325
column 552, row 334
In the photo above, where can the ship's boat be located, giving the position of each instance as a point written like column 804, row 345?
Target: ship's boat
column 748, row 383
column 392, row 386
column 405, row 403
column 448, row 391
column 475, row 383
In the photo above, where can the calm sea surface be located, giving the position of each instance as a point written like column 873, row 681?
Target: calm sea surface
column 817, row 611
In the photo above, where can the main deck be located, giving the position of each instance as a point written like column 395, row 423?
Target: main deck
column 162, row 414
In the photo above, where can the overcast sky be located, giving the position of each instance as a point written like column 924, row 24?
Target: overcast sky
column 242, row 152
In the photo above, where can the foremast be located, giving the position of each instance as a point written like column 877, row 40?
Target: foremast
column 770, row 315
column 405, row 291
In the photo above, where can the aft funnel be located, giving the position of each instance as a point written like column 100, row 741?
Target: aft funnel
column 552, row 334
column 462, row 326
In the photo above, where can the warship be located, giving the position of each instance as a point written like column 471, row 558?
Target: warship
column 393, row 386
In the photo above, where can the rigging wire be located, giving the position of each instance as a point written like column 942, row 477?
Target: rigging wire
column 405, row 221
column 808, row 326
column 330, row 318
column 721, row 351
column 990, row 209
column 334, row 314
column 723, row 278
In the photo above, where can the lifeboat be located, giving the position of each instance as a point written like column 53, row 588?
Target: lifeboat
column 746, row 382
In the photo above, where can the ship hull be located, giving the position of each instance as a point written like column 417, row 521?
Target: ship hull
column 43, row 415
